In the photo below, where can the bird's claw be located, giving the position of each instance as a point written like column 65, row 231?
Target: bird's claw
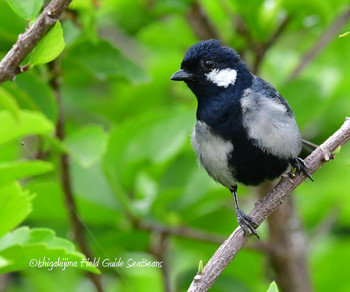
column 300, row 167
column 247, row 224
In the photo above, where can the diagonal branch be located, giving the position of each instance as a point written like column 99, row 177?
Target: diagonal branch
column 265, row 206
column 261, row 49
column 199, row 21
column 328, row 35
column 10, row 64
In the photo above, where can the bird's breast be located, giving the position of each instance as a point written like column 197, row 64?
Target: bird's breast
column 213, row 153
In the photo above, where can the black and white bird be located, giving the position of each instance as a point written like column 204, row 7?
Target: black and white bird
column 245, row 130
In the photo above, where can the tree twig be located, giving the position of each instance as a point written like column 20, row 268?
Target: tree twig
column 180, row 231
column 288, row 258
column 76, row 222
column 265, row 206
column 191, row 233
column 159, row 247
column 324, row 227
column 288, row 249
column 200, row 23
column 261, row 49
column 26, row 42
column 320, row 44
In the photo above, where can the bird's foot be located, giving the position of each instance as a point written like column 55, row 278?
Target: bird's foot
column 247, row 224
column 300, row 166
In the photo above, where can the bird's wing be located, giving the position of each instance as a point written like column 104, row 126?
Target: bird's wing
column 269, row 120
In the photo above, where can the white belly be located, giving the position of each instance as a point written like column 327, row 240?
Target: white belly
column 213, row 152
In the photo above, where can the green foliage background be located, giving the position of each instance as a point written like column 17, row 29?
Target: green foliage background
column 128, row 132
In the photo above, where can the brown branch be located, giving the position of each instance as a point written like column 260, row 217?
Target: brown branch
column 288, row 257
column 265, row 206
column 159, row 247
column 76, row 222
column 288, row 253
column 320, row 44
column 10, row 64
column 180, row 231
column 325, row 226
column 261, row 49
column 200, row 23
column 3, row 281
column 243, row 31
column 195, row 234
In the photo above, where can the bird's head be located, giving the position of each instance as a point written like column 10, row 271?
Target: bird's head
column 209, row 67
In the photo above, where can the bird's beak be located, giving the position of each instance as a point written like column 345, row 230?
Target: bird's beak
column 181, row 75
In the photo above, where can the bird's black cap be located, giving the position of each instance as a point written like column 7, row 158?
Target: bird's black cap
column 194, row 65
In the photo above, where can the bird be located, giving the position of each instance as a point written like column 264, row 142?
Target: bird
column 245, row 130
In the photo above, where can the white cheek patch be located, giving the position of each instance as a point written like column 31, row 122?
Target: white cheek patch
column 222, row 78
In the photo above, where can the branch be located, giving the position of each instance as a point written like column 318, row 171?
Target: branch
column 199, row 21
column 159, row 247
column 288, row 258
column 288, row 249
column 265, row 206
column 10, row 64
column 76, row 221
column 324, row 227
column 328, row 35
column 180, row 231
column 261, row 49
column 191, row 233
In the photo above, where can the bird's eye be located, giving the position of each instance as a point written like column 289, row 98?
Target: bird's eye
column 208, row 63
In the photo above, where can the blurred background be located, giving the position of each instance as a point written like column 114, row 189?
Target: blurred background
column 121, row 179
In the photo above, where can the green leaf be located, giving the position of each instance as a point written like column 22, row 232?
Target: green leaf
column 50, row 46
column 87, row 16
column 7, row 101
column 80, row 4
column 4, row 262
column 273, row 287
column 345, row 34
column 24, row 248
column 11, row 25
column 15, row 205
column 200, row 267
column 17, row 169
column 337, row 151
column 99, row 193
column 87, row 145
column 27, row 9
column 42, row 205
column 37, row 90
column 55, row 144
column 70, row 31
column 103, row 61
column 154, row 137
column 28, row 123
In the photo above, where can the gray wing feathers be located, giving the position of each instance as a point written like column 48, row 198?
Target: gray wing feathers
column 269, row 120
